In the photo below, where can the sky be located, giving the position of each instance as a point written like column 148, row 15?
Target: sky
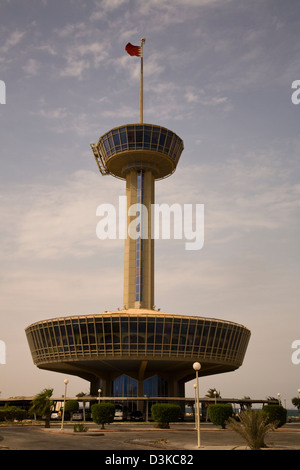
column 219, row 74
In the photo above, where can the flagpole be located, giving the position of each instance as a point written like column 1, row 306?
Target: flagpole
column 143, row 40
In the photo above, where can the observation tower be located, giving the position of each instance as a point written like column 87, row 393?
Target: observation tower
column 138, row 351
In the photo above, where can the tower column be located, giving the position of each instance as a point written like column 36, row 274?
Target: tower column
column 139, row 245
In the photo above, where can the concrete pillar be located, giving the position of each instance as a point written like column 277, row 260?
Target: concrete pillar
column 139, row 252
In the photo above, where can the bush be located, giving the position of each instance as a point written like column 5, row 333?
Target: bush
column 165, row 413
column 71, row 407
column 11, row 413
column 275, row 414
column 103, row 413
column 253, row 427
column 80, row 427
column 220, row 413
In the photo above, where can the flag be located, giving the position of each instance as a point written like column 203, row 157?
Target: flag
column 134, row 50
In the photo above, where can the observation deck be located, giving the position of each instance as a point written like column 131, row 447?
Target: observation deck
column 138, row 146
column 139, row 343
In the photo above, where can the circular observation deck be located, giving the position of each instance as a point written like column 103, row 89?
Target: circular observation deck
column 138, row 146
column 120, row 342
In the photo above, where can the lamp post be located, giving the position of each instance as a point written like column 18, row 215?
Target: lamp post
column 63, row 415
column 215, row 394
column 197, row 367
column 99, row 394
column 278, row 394
column 196, row 409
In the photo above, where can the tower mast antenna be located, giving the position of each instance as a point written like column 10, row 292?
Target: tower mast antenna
column 143, row 40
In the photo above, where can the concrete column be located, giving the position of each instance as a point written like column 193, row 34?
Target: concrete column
column 145, row 262
column 130, row 245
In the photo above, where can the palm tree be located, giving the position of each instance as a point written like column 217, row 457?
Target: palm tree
column 43, row 406
column 253, row 427
column 296, row 403
column 212, row 393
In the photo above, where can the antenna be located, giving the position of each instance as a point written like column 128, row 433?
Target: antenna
column 143, row 40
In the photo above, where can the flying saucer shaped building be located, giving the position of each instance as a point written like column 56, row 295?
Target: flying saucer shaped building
column 138, row 350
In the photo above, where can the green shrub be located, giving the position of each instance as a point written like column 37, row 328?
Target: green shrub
column 220, row 413
column 79, row 427
column 11, row 413
column 165, row 413
column 253, row 427
column 71, row 407
column 275, row 414
column 103, row 413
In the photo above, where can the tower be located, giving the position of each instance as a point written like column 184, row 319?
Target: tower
column 137, row 351
column 140, row 154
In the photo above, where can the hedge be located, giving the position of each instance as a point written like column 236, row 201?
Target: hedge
column 220, row 413
column 165, row 413
column 11, row 413
column 276, row 414
column 103, row 413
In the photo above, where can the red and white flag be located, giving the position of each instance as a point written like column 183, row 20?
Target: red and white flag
column 134, row 50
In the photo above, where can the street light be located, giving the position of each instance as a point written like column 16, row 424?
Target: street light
column 63, row 415
column 215, row 394
column 196, row 413
column 278, row 394
column 197, row 367
column 99, row 392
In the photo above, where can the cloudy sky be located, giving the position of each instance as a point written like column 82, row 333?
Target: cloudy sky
column 219, row 74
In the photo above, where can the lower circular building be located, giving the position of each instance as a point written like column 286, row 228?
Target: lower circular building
column 137, row 352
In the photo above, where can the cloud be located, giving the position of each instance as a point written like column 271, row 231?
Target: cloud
column 31, row 68
column 57, row 113
column 242, row 197
column 81, row 57
column 74, row 67
column 13, row 39
column 53, row 222
column 72, row 30
column 239, row 197
column 105, row 7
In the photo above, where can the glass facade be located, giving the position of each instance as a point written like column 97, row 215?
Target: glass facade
column 155, row 387
column 136, row 137
column 125, row 386
column 116, row 335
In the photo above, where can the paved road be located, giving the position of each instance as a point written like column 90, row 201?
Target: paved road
column 130, row 436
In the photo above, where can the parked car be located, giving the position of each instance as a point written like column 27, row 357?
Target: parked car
column 121, row 413
column 136, row 416
column 55, row 415
column 77, row 417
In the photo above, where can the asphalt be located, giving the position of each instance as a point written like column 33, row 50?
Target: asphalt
column 184, row 436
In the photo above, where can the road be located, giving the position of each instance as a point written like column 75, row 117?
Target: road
column 131, row 436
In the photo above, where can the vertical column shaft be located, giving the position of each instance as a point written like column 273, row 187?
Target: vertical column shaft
column 139, row 246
